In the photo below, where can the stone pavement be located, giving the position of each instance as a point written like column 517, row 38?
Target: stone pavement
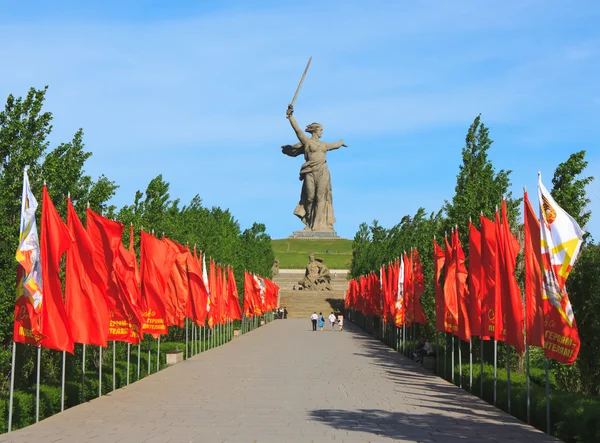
column 283, row 382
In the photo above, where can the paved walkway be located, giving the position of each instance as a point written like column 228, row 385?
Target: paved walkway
column 284, row 382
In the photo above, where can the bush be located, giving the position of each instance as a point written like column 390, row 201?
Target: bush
column 574, row 418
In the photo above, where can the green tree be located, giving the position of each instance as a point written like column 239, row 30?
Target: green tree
column 569, row 191
column 584, row 292
column 479, row 188
column 24, row 129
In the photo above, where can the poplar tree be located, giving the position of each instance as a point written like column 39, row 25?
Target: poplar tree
column 479, row 188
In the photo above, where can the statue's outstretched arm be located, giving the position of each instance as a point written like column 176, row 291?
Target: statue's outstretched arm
column 335, row 145
column 290, row 116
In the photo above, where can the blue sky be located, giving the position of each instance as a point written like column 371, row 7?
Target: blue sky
column 198, row 91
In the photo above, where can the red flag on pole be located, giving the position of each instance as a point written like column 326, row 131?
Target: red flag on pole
column 534, row 304
column 234, row 312
column 475, row 280
column 177, row 290
column 462, row 291
column 512, row 305
column 450, row 289
column 198, row 292
column 489, row 249
column 129, row 310
column 418, row 289
column 54, row 242
column 154, row 272
column 439, row 259
column 85, row 293
column 409, row 295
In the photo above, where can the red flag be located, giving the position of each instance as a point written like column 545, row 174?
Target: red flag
column 223, row 305
column 439, row 258
column 198, row 292
column 132, row 251
column 489, row 248
column 155, row 264
column 409, row 290
column 418, row 289
column 85, row 299
column 106, row 236
column 213, row 314
column 272, row 294
column 177, row 290
column 533, row 277
column 475, row 280
column 55, row 240
column 450, row 290
column 510, row 297
column 234, row 312
column 123, row 275
column 462, row 291
column 249, row 299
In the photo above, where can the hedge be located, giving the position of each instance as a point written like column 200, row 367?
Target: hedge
column 574, row 418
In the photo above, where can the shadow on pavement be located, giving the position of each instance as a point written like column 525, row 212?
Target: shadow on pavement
column 427, row 427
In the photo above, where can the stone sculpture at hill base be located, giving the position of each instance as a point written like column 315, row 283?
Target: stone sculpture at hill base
column 316, row 276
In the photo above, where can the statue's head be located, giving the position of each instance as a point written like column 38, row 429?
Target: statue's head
column 311, row 257
column 315, row 129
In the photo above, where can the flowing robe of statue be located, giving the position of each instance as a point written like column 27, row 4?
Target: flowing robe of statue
column 315, row 207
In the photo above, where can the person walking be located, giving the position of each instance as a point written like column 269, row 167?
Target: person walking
column 313, row 319
column 321, row 321
column 285, row 312
column 341, row 321
column 332, row 320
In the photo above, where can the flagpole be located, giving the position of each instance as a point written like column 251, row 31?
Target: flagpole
column 459, row 363
column 194, row 339
column 445, row 355
column 547, row 397
column 495, row 367
column 437, row 354
column 100, row 374
column 37, row 388
column 149, row 355
column 508, row 373
column 139, row 358
column 114, row 365
column 481, row 365
column 62, row 383
column 452, row 340
column 83, row 375
column 128, row 358
column 528, row 385
column 186, row 339
column 12, row 386
column 471, row 364
column 158, row 354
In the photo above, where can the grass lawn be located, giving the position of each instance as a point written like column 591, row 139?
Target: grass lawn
column 292, row 253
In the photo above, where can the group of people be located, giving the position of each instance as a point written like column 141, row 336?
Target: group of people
column 282, row 312
column 318, row 321
column 422, row 350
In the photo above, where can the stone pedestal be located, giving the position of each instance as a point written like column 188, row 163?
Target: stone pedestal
column 236, row 332
column 174, row 357
column 314, row 235
column 262, row 322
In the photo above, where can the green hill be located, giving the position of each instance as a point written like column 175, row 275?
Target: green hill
column 292, row 253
